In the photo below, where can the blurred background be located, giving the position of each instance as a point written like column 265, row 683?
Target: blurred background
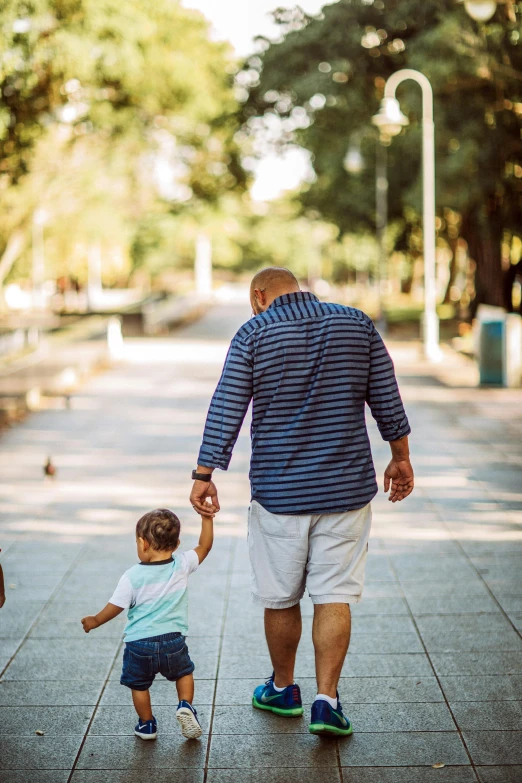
column 154, row 155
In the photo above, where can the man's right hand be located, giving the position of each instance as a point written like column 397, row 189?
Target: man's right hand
column 398, row 474
column 202, row 490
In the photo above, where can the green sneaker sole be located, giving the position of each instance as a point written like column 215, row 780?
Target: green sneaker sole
column 324, row 728
column 294, row 712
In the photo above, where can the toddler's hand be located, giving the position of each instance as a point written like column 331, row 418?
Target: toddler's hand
column 89, row 623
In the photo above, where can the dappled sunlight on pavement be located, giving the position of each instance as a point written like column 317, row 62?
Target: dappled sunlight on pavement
column 434, row 640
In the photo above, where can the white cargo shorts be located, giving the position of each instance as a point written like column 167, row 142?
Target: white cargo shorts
column 324, row 553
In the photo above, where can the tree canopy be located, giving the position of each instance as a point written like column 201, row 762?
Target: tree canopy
column 322, row 81
column 111, row 112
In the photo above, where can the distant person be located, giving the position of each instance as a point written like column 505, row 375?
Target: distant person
column 2, row 587
column 309, row 367
column 155, row 594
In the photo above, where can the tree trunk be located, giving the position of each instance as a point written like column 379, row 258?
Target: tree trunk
column 453, row 244
column 483, row 235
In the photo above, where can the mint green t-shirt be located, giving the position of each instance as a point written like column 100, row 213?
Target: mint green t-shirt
column 155, row 595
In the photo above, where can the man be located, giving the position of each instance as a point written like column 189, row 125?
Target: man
column 309, row 367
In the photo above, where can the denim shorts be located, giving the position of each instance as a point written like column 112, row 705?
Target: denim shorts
column 143, row 659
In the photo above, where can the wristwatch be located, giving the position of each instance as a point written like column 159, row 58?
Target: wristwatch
column 201, row 476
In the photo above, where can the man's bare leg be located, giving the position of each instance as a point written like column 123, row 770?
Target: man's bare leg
column 283, row 632
column 331, row 637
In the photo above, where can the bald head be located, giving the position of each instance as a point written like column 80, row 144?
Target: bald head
column 270, row 283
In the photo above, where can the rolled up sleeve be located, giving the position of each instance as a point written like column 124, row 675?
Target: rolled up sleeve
column 228, row 407
column 382, row 394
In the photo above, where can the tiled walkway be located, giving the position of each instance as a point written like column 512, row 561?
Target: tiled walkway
column 434, row 672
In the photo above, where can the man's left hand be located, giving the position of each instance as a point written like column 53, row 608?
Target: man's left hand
column 201, row 491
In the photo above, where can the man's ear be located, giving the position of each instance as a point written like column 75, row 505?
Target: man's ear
column 260, row 297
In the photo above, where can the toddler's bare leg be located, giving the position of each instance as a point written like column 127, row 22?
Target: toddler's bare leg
column 142, row 704
column 185, row 688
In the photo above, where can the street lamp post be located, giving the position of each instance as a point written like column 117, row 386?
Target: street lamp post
column 390, row 121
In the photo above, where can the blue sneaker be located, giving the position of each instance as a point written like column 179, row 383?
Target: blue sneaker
column 146, row 729
column 287, row 702
column 326, row 720
column 187, row 718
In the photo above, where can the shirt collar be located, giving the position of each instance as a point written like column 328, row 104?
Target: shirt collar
column 297, row 296
column 158, row 562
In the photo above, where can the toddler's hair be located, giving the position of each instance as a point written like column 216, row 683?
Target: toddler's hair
column 160, row 528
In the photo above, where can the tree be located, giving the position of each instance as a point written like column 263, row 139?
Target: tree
column 129, row 106
column 323, row 81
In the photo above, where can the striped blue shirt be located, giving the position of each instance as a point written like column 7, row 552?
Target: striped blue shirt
column 309, row 367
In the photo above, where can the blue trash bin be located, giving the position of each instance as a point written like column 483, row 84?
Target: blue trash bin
column 492, row 352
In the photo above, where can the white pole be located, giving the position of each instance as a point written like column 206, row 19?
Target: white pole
column 430, row 322
column 38, row 260
column 203, row 266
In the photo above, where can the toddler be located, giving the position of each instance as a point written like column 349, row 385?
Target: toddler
column 155, row 594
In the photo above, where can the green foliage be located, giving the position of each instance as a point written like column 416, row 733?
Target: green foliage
column 112, row 116
column 325, row 78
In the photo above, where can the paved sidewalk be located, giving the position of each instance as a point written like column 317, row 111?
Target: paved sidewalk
column 434, row 672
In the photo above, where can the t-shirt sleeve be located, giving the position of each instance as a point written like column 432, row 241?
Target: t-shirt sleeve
column 123, row 595
column 190, row 561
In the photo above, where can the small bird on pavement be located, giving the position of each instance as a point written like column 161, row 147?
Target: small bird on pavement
column 49, row 469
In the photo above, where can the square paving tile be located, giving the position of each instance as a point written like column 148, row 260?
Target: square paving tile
column 41, row 659
column 51, row 720
column 169, row 751
column 22, row 752
column 453, row 604
column 511, row 774
column 36, row 776
column 483, row 688
column 296, row 750
column 494, row 716
column 408, row 775
column 478, row 663
column 48, row 693
column 304, row 775
column 18, row 618
column 395, row 749
column 135, row 776
column 462, row 641
column 494, row 747
column 385, row 643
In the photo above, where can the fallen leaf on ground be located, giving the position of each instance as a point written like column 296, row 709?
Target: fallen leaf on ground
column 438, row 765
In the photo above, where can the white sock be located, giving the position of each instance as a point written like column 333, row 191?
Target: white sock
column 279, row 690
column 331, row 701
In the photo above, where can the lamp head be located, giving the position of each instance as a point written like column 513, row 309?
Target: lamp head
column 389, row 119
column 353, row 161
column 480, row 10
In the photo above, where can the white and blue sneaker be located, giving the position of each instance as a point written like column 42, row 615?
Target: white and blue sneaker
column 187, row 718
column 146, row 729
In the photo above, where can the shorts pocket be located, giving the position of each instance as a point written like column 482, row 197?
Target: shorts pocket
column 275, row 525
column 178, row 664
column 137, row 668
column 347, row 527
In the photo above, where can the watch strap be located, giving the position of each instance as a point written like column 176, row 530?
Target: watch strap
column 201, row 476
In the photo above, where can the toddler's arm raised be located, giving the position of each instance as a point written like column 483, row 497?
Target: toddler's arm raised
column 206, row 538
